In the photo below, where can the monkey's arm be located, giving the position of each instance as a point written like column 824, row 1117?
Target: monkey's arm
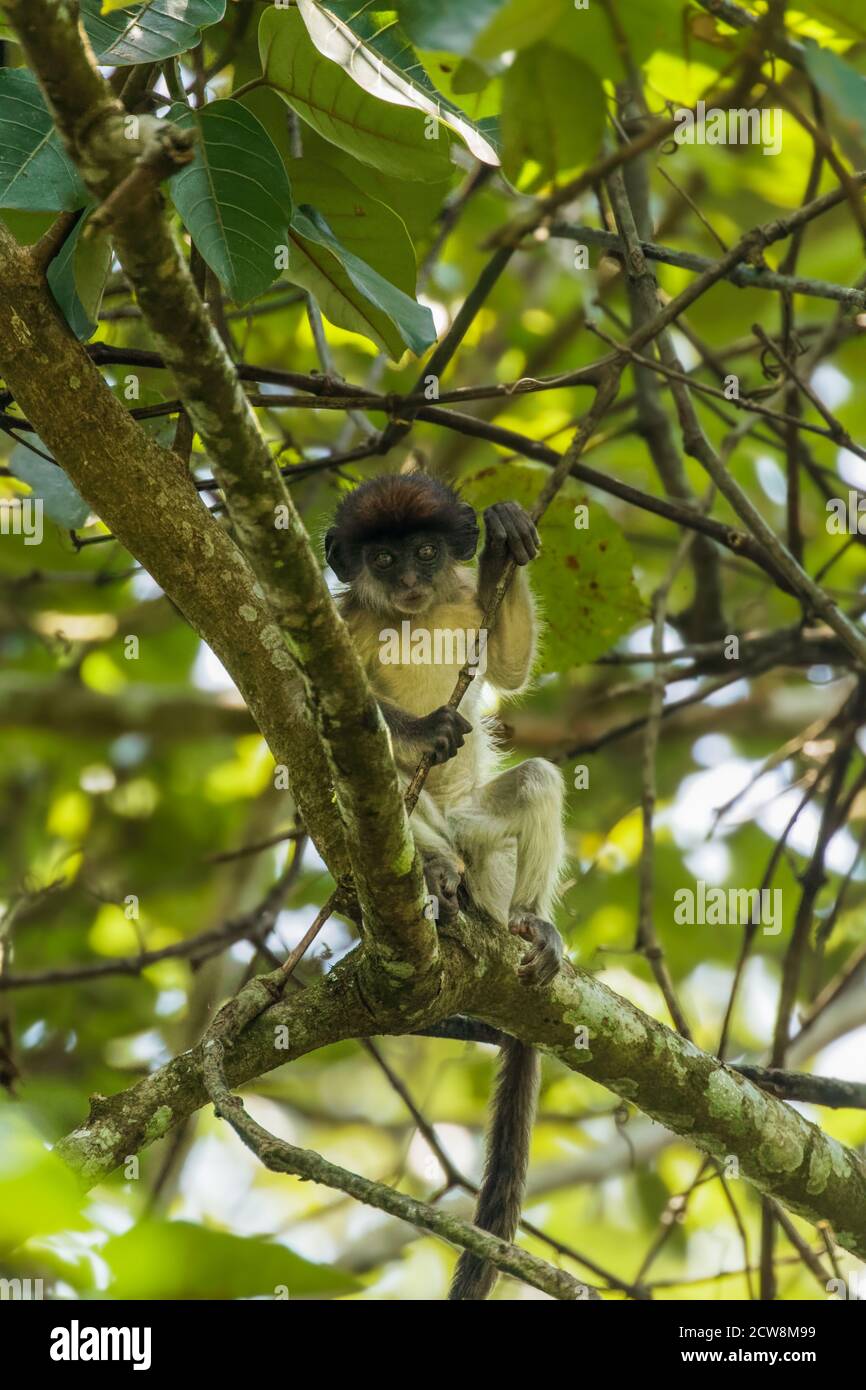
column 440, row 733
column 509, row 534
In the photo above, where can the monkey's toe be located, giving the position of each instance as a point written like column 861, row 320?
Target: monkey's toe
column 542, row 962
column 443, row 878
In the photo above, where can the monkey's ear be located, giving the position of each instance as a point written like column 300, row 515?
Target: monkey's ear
column 342, row 558
column 464, row 536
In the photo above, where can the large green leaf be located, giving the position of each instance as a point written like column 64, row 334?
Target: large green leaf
column 148, row 33
column 842, row 18
column 49, row 482
column 35, row 170
column 651, row 25
column 553, row 113
column 361, row 223
column 352, row 294
column 178, row 1260
column 518, row 23
column 27, row 227
column 77, row 277
column 234, row 198
column 38, row 1193
column 583, row 577
column 391, row 138
column 370, row 46
column 450, row 24
column 418, row 205
column 845, row 88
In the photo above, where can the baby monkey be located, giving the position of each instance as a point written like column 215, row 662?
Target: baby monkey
column 401, row 544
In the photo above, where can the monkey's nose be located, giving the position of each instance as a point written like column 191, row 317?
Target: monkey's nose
column 409, row 579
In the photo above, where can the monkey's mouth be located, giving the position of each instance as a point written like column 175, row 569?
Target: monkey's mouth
column 412, row 601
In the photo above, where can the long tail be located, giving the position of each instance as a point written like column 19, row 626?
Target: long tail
column 504, row 1181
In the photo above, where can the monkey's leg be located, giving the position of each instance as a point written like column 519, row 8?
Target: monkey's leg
column 523, row 804
column 443, row 867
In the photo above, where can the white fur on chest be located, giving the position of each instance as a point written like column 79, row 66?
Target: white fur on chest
column 414, row 663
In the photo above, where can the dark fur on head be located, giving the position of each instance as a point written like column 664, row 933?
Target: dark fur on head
column 392, row 506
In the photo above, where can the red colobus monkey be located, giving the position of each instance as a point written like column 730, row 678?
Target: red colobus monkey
column 401, row 545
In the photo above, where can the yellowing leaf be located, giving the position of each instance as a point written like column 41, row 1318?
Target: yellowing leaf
column 583, row 575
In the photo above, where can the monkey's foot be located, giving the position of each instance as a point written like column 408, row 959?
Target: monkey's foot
column 443, row 877
column 544, row 958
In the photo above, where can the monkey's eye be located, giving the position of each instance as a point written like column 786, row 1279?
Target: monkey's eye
column 427, row 552
column 383, row 560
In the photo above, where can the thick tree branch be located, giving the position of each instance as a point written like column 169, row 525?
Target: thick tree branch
column 148, row 500
column 282, row 1157
column 307, row 633
column 688, row 1091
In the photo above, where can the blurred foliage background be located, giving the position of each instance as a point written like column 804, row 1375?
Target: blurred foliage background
column 138, row 804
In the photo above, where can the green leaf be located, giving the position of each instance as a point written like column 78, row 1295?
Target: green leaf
column 234, row 198
column 838, row 81
column 77, row 277
column 27, row 227
column 842, row 18
column 470, row 78
column 178, row 1260
column 352, row 294
column 49, row 482
column 360, row 222
column 417, row 204
column 35, row 170
column 553, row 113
column 370, row 46
column 583, row 577
column 39, row 1195
column 652, row 24
column 519, row 23
column 391, row 138
column 147, row 33
column 450, row 24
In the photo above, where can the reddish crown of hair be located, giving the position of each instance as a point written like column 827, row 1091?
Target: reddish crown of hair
column 405, row 502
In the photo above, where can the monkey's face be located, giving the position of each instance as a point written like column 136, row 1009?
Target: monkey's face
column 405, row 570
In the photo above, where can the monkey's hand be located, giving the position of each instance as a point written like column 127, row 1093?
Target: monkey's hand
column 440, row 733
column 544, row 958
column 510, row 533
column 443, row 875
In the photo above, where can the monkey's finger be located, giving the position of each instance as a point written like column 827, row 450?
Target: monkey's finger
column 520, row 927
column 495, row 530
column 519, row 553
column 524, row 534
column 548, row 968
column 463, row 724
column 529, row 531
column 520, row 542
